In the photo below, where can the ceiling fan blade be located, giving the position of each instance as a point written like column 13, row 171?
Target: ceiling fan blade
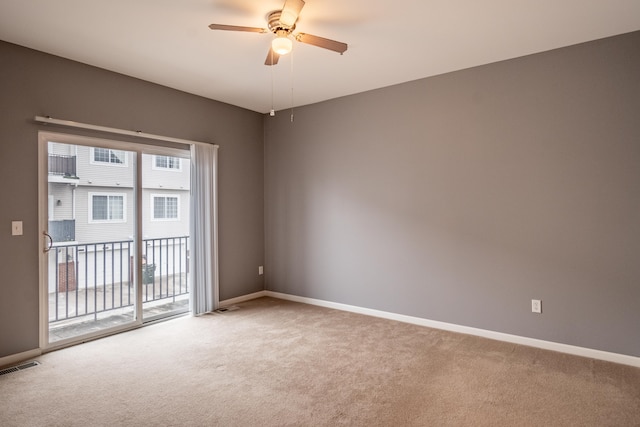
column 272, row 58
column 237, row 28
column 322, row 42
column 291, row 11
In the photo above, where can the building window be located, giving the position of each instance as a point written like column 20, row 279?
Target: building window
column 108, row 156
column 106, row 207
column 167, row 163
column 165, row 207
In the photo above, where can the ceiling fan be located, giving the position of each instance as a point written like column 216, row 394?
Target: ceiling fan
column 282, row 23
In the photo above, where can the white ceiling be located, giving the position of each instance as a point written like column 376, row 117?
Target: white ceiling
column 168, row 41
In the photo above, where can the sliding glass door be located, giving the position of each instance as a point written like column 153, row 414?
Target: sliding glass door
column 165, row 235
column 115, row 227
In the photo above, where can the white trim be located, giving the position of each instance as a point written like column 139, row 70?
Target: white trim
column 499, row 336
column 243, row 298
column 138, row 236
column 91, row 336
column 14, row 359
column 63, row 179
column 514, row 339
column 43, row 226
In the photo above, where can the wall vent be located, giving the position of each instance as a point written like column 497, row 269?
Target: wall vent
column 225, row 309
column 22, row 367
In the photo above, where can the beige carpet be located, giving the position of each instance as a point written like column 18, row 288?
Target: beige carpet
column 278, row 363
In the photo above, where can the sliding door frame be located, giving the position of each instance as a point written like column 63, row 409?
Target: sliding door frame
column 44, row 137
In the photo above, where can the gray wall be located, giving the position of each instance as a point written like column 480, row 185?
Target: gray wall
column 33, row 83
column 461, row 197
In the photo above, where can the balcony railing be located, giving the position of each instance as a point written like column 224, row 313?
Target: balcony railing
column 62, row 165
column 93, row 278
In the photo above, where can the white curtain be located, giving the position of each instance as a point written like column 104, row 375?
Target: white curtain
column 204, row 229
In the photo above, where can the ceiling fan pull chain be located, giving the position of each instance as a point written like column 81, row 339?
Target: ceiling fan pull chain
column 291, row 86
column 273, row 111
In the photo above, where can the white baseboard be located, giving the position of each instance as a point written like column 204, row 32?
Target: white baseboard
column 515, row 339
column 242, row 298
column 14, row 359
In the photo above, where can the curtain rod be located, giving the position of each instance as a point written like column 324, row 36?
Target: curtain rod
column 138, row 133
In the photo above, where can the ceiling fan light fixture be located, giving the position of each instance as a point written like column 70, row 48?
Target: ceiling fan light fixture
column 282, row 45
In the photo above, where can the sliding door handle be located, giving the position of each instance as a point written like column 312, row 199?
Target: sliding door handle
column 47, row 248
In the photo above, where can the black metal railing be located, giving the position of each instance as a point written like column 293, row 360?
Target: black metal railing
column 63, row 230
column 93, row 278
column 62, row 165
column 165, row 268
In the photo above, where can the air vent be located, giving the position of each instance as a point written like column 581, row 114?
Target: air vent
column 19, row 367
column 225, row 309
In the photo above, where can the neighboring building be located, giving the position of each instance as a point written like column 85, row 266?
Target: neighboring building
column 91, row 204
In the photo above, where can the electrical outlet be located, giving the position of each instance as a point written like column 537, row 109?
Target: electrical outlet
column 260, row 270
column 536, row 306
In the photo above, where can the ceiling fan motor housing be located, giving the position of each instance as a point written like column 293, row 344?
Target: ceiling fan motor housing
column 275, row 26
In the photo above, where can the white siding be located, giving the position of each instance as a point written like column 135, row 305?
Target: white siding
column 165, row 178
column 61, row 149
column 154, row 229
column 120, row 179
column 104, row 175
column 87, row 232
column 62, row 201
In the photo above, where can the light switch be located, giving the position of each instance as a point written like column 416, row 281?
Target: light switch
column 16, row 228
